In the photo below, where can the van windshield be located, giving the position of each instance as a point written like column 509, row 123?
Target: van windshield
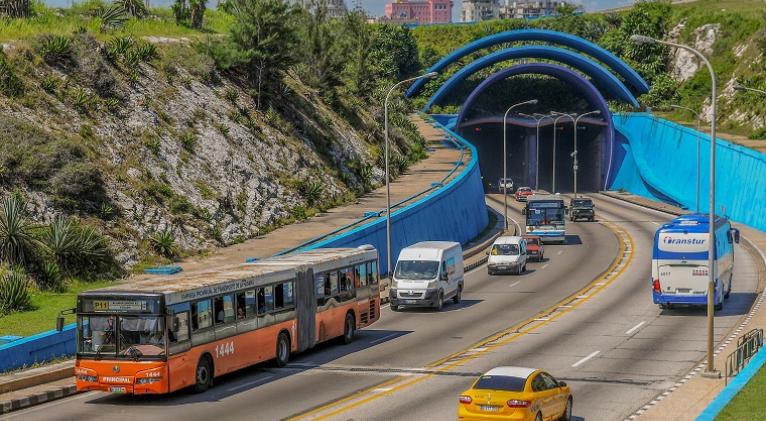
column 417, row 270
column 505, row 250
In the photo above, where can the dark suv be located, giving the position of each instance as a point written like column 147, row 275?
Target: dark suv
column 582, row 209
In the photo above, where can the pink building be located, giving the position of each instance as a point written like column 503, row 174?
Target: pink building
column 419, row 11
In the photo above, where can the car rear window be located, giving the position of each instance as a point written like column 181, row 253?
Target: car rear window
column 532, row 241
column 507, row 383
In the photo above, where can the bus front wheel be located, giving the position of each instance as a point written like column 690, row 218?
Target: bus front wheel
column 283, row 350
column 203, row 378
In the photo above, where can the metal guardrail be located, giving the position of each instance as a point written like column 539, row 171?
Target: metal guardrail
column 377, row 214
column 747, row 346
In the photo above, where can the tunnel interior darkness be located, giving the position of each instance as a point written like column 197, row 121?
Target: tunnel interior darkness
column 488, row 139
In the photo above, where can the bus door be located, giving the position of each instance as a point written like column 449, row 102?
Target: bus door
column 265, row 340
column 363, row 294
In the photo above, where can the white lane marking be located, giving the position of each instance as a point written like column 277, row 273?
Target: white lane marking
column 656, row 223
column 560, row 252
column 385, row 305
column 635, row 328
column 250, row 383
column 591, row 355
column 544, row 266
column 382, row 389
column 514, row 284
column 383, row 338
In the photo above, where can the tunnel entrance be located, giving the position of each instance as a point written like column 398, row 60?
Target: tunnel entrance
column 589, row 138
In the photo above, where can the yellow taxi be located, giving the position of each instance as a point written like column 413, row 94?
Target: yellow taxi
column 516, row 393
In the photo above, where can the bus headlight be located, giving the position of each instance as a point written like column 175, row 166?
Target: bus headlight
column 148, row 380
column 87, row 378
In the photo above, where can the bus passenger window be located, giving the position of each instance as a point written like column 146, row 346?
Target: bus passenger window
column 362, row 274
column 265, row 300
column 240, row 305
column 183, row 328
column 250, row 303
column 333, row 290
column 374, row 272
column 228, row 308
column 370, row 279
column 279, row 297
column 289, row 294
column 201, row 315
column 218, row 309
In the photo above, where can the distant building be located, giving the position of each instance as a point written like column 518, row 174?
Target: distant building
column 532, row 9
column 419, row 11
column 476, row 10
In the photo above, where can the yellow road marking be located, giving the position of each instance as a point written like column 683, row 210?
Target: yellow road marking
column 494, row 341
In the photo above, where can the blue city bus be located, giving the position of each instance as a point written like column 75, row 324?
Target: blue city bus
column 545, row 216
column 679, row 261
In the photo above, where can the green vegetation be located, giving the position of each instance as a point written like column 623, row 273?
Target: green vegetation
column 749, row 403
column 164, row 243
column 14, row 293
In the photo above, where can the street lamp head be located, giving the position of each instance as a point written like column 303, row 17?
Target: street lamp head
column 532, row 101
column 642, row 39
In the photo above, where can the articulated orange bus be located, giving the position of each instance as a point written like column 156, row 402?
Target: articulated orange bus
column 165, row 334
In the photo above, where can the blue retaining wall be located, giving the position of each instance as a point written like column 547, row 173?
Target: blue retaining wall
column 454, row 212
column 659, row 162
column 41, row 347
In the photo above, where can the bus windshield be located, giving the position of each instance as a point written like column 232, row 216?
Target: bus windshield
column 132, row 336
column 545, row 215
column 417, row 270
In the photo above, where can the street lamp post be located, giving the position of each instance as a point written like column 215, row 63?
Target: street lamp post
column 574, row 153
column 697, row 116
column 505, row 157
column 388, row 189
column 641, row 39
column 555, row 122
column 538, row 119
column 741, row 88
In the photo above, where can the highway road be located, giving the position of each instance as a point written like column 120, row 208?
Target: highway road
column 611, row 344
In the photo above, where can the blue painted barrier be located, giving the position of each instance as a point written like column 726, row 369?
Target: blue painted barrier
column 660, row 161
column 37, row 348
column 163, row 270
column 731, row 390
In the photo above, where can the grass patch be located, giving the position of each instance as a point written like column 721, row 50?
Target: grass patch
column 46, row 307
column 749, row 403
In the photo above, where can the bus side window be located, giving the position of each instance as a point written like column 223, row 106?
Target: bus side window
column 319, row 284
column 250, row 303
column 265, row 300
column 240, row 305
column 201, row 315
column 374, row 271
column 180, row 332
column 333, row 285
column 289, row 293
column 279, row 296
column 362, row 274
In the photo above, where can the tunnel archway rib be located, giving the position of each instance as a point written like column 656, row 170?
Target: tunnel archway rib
column 577, row 81
column 633, row 79
column 597, row 72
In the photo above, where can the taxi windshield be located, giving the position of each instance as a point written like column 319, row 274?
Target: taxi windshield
column 507, row 383
column 417, row 270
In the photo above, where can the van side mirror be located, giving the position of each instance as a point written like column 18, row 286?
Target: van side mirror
column 562, row 384
column 735, row 235
column 60, row 318
column 524, row 210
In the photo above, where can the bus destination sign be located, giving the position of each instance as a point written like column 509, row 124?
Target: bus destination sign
column 120, row 305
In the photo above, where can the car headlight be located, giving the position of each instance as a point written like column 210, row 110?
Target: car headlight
column 431, row 284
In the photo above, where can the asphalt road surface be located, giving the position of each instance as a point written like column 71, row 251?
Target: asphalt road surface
column 614, row 347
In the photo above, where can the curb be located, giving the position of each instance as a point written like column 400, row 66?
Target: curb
column 36, row 399
column 32, row 380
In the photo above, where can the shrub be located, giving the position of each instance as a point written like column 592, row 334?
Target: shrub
column 78, row 186
column 134, row 8
column 164, row 243
column 117, row 47
column 81, row 99
column 17, row 244
column 49, row 276
column 311, row 190
column 50, row 84
column 231, row 94
column 189, row 141
column 10, row 84
column 55, row 49
column 75, row 247
column 146, row 51
column 14, row 291
column 112, row 16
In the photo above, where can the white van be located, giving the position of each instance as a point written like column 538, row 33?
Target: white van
column 508, row 254
column 426, row 274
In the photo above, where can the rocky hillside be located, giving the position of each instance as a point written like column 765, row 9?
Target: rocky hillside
column 146, row 136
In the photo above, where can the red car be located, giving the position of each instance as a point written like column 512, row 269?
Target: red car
column 522, row 193
column 535, row 248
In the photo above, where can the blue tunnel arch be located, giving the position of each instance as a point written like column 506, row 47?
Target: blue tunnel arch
column 597, row 72
column 577, row 81
column 633, row 79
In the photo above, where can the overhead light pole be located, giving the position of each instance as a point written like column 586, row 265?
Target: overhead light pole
column 505, row 157
column 574, row 153
column 741, row 88
column 641, row 39
column 555, row 122
column 697, row 117
column 388, row 187
column 538, row 118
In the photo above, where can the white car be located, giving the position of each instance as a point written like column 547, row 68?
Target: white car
column 508, row 254
column 505, row 182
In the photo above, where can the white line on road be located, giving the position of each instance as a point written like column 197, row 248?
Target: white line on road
column 250, row 383
column 592, row 354
column 514, row 284
column 560, row 252
column 635, row 328
column 544, row 266
column 383, row 338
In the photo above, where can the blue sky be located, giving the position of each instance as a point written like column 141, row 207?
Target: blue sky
column 375, row 7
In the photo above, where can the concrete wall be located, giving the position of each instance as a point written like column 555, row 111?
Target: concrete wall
column 660, row 161
column 41, row 347
column 454, row 212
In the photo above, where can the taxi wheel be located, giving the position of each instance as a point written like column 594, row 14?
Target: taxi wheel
column 539, row 417
column 203, row 377
column 567, row 415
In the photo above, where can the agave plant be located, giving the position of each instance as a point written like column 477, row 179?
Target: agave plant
column 135, row 8
column 17, row 244
column 311, row 191
column 164, row 243
column 49, row 276
column 55, row 49
column 146, row 51
column 14, row 291
column 112, row 16
column 117, row 47
column 75, row 247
